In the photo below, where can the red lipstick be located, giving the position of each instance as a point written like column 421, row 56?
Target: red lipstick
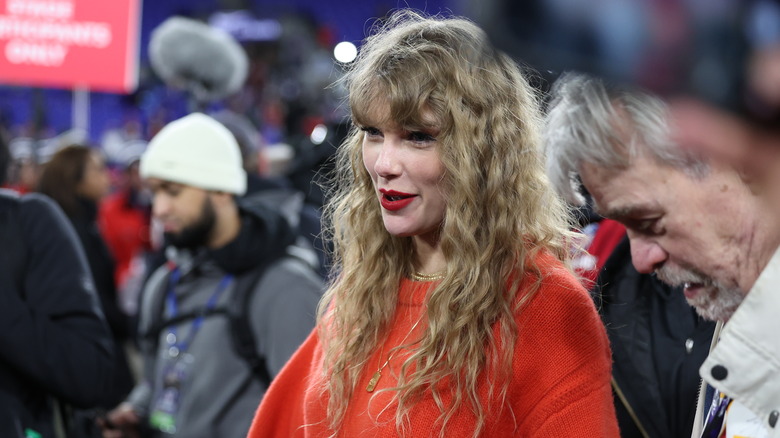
column 393, row 201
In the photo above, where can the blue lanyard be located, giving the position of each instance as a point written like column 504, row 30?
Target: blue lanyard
column 174, row 347
column 714, row 423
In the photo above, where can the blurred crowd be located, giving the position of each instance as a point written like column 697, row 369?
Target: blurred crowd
column 286, row 117
column 286, row 121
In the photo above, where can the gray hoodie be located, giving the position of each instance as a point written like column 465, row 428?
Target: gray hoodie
column 218, row 393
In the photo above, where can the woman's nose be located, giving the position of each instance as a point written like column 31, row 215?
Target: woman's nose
column 387, row 161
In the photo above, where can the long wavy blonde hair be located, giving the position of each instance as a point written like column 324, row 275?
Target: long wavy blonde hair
column 500, row 210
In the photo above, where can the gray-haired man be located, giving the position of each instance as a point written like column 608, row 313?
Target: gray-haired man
column 694, row 222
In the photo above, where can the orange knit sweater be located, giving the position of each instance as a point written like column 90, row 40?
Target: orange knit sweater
column 560, row 386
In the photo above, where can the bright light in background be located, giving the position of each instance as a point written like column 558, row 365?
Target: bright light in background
column 319, row 133
column 345, row 52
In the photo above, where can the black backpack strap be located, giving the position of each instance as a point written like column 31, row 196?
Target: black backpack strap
column 156, row 305
column 163, row 323
column 159, row 321
column 243, row 336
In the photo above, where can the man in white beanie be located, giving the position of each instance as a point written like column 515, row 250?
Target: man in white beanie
column 219, row 320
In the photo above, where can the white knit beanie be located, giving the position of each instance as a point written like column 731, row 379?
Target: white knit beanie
column 198, row 151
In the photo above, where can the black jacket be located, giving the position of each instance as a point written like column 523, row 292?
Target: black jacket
column 101, row 265
column 658, row 344
column 54, row 341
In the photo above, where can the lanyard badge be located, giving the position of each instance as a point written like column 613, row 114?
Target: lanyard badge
column 175, row 371
column 714, row 426
column 177, row 364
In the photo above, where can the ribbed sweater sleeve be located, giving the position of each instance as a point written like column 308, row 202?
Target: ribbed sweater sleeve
column 283, row 415
column 562, row 364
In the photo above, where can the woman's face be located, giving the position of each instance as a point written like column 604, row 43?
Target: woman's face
column 95, row 184
column 406, row 170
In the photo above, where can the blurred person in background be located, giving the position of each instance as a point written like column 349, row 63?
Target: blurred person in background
column 229, row 307
column 77, row 180
column 752, row 146
column 276, row 188
column 56, row 351
column 747, row 137
column 697, row 222
column 252, row 153
column 24, row 170
column 124, row 218
column 311, row 172
column 453, row 312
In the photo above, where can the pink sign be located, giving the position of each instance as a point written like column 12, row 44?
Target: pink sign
column 70, row 43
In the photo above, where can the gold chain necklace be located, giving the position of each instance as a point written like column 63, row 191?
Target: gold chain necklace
column 416, row 276
column 378, row 374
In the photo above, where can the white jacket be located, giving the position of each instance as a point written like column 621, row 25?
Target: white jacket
column 746, row 360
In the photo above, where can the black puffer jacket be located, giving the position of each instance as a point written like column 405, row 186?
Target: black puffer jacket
column 54, row 342
column 101, row 265
column 658, row 344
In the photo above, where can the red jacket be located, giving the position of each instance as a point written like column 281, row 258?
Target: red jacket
column 125, row 229
column 608, row 234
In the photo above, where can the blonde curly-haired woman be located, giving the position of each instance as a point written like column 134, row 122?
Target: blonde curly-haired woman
column 452, row 312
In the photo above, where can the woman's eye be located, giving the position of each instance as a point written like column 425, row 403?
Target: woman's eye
column 371, row 132
column 421, row 137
